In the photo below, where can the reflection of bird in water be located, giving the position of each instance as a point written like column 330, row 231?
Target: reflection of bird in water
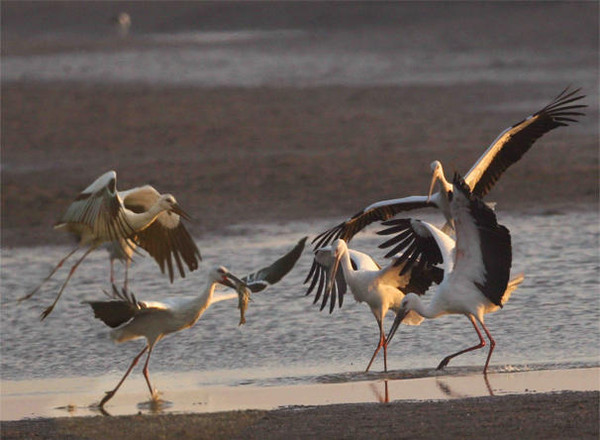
column 385, row 398
column 445, row 388
column 122, row 22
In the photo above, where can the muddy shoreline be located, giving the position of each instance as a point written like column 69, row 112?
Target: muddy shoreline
column 554, row 415
column 271, row 155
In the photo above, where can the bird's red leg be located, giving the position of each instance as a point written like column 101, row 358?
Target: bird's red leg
column 153, row 392
column 48, row 310
column 383, row 344
column 110, row 394
column 480, row 345
column 58, row 266
column 492, row 345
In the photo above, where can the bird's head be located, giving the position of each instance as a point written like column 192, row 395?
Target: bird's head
column 338, row 248
column 409, row 302
column 437, row 174
column 222, row 275
column 168, row 203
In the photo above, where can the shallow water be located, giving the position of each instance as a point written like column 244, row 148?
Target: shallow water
column 180, row 393
column 551, row 320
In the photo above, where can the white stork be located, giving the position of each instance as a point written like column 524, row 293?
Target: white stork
column 99, row 214
column 381, row 288
column 132, row 319
column 476, row 268
column 506, row 149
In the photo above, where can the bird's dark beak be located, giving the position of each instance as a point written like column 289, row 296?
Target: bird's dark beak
column 177, row 210
column 232, row 281
column 399, row 318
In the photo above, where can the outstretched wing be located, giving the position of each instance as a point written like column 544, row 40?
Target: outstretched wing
column 267, row 276
column 320, row 271
column 319, row 278
column 484, row 252
column 422, row 253
column 167, row 240
column 412, row 242
column 515, row 141
column 99, row 208
column 414, row 277
column 378, row 211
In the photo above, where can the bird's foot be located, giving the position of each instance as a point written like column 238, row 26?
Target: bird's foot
column 156, row 395
column 23, row 298
column 443, row 363
column 106, row 398
column 29, row 295
column 46, row 312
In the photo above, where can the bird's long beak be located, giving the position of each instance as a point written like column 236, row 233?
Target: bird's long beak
column 437, row 174
column 333, row 272
column 399, row 318
column 232, row 281
column 177, row 210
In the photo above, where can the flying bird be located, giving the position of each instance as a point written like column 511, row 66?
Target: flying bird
column 505, row 150
column 382, row 289
column 476, row 267
column 132, row 319
column 140, row 216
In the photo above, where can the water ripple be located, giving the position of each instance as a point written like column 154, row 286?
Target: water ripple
column 551, row 318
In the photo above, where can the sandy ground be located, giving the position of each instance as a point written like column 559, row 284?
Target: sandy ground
column 269, row 155
column 565, row 415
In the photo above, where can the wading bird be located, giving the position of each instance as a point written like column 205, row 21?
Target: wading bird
column 381, row 288
column 132, row 319
column 506, row 149
column 99, row 214
column 476, row 268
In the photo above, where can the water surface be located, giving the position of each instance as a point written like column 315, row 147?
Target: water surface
column 551, row 320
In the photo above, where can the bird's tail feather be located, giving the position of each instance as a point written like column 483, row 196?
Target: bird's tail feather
column 512, row 286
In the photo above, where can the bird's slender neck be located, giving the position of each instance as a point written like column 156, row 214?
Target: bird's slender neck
column 441, row 197
column 203, row 301
column 347, row 265
column 194, row 309
column 445, row 186
column 429, row 310
column 198, row 305
column 141, row 220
